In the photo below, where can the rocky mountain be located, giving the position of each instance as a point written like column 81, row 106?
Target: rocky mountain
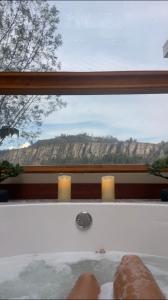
column 82, row 148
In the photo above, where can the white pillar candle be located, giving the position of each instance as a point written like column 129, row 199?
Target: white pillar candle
column 108, row 188
column 64, row 188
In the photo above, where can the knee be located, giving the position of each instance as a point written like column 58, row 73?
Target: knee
column 87, row 276
column 88, row 279
column 86, row 287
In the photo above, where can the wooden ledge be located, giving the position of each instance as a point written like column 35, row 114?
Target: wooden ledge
column 83, row 83
column 87, row 169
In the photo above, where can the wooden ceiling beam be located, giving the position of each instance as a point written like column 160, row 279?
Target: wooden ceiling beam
column 83, row 83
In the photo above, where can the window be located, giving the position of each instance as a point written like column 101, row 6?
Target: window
column 83, row 35
column 96, row 36
column 113, row 35
column 91, row 129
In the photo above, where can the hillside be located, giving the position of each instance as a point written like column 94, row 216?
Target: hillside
column 81, row 148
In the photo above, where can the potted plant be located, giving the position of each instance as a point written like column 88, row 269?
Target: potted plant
column 157, row 168
column 7, row 170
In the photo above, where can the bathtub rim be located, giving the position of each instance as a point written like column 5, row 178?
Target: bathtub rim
column 98, row 204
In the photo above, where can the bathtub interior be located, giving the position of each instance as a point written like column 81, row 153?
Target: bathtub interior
column 52, row 275
column 43, row 251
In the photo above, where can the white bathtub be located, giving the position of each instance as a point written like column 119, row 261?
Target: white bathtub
column 50, row 227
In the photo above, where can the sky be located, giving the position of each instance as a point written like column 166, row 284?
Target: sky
column 141, row 117
column 107, row 36
column 110, row 36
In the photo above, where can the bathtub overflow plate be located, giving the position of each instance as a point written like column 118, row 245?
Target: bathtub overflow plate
column 83, row 220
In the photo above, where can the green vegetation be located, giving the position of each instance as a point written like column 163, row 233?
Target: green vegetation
column 82, row 138
column 9, row 170
column 107, row 159
column 158, row 166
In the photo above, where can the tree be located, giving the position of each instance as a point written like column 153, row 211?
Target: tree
column 29, row 39
column 158, row 167
column 9, row 170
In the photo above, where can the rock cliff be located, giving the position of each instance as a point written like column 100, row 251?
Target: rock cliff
column 81, row 149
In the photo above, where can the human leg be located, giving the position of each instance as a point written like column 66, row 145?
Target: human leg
column 86, row 287
column 133, row 280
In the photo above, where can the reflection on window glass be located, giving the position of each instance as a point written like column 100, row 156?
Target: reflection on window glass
column 29, row 36
column 98, row 129
column 82, row 35
column 113, row 35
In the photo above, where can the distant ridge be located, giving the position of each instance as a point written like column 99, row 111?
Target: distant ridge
column 82, row 148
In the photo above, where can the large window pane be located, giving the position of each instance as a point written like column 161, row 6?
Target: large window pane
column 83, row 35
column 113, row 35
column 106, row 129
column 29, row 36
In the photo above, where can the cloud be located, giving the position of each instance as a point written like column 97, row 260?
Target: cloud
column 112, row 35
column 102, row 14
column 24, row 145
column 139, row 116
column 115, row 35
